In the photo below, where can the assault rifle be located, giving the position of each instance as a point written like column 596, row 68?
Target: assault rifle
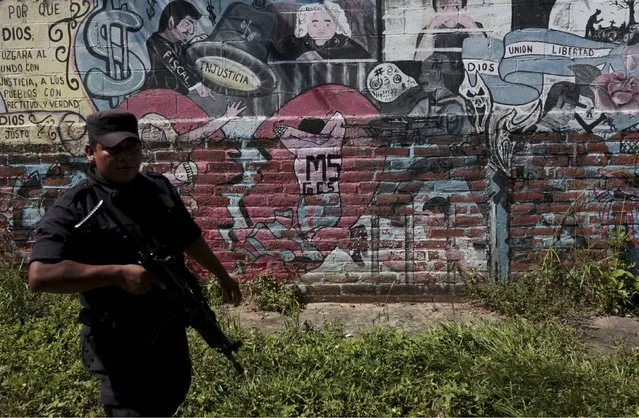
column 183, row 286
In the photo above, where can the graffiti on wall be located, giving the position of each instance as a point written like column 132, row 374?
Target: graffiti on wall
column 317, row 136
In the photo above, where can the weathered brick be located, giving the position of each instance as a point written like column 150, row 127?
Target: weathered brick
column 7, row 171
column 421, row 200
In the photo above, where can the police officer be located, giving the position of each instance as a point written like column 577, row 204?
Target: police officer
column 132, row 339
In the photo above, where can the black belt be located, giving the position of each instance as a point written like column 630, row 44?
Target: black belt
column 96, row 319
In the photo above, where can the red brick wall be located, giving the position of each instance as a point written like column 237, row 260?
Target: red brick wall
column 385, row 155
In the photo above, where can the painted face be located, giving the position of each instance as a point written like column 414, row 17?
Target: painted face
column 386, row 82
column 151, row 133
column 184, row 30
column 321, row 26
column 119, row 164
column 562, row 113
column 447, row 6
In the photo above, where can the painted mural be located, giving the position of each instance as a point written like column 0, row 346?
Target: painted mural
column 360, row 140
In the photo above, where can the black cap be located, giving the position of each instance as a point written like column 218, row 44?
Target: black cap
column 112, row 126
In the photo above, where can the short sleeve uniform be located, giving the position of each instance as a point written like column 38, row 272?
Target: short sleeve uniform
column 129, row 341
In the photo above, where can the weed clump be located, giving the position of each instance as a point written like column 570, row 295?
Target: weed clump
column 270, row 294
column 19, row 305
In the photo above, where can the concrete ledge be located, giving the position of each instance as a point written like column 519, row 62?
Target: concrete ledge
column 369, row 293
column 352, row 298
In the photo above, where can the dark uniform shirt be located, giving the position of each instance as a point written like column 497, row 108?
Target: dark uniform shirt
column 150, row 201
column 134, row 368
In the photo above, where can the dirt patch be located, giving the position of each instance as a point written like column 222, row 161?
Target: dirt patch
column 601, row 332
column 608, row 331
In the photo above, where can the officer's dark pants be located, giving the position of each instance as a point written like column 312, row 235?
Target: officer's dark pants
column 139, row 380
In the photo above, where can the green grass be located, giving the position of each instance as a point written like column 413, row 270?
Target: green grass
column 514, row 368
column 568, row 283
column 268, row 294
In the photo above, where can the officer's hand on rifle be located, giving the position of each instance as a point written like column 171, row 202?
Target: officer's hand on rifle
column 230, row 290
column 137, row 280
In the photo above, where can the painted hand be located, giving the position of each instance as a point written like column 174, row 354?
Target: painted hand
column 467, row 21
column 198, row 38
column 234, row 109
column 438, row 20
column 204, row 91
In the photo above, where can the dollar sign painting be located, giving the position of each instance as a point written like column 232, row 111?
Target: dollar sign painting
column 107, row 33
